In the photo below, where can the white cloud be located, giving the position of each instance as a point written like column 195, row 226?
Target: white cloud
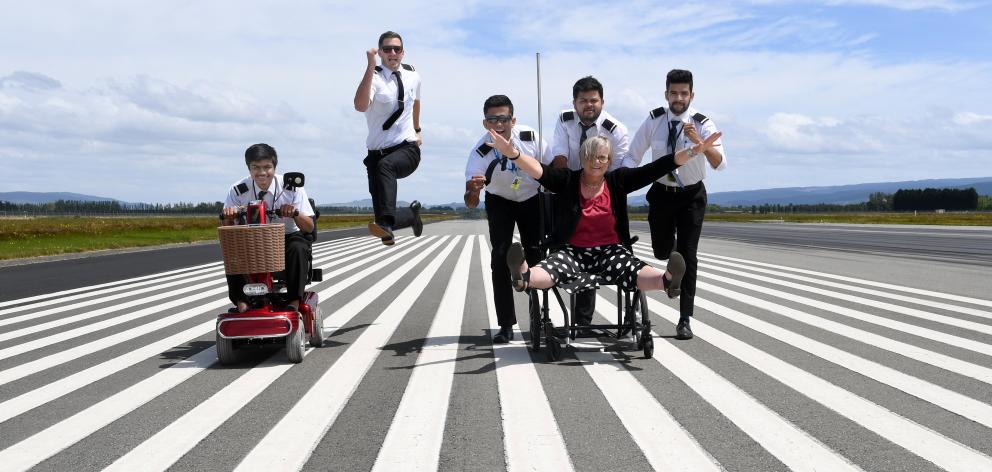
column 158, row 102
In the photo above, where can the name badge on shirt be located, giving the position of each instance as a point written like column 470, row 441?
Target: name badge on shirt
column 515, row 185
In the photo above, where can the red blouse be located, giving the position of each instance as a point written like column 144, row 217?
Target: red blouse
column 597, row 225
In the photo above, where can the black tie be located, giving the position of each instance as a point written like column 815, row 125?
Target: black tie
column 582, row 137
column 399, row 97
column 674, row 130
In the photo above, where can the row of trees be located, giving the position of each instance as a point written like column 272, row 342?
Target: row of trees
column 903, row 200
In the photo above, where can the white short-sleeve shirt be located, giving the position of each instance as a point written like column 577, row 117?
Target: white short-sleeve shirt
column 384, row 102
column 568, row 131
column 653, row 134
column 245, row 191
column 505, row 172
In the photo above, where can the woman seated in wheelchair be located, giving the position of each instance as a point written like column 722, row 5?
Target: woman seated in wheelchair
column 591, row 236
column 264, row 184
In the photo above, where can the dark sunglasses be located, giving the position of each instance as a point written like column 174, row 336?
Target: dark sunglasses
column 392, row 49
column 498, row 119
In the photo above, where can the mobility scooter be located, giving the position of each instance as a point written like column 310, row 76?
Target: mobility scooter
column 254, row 247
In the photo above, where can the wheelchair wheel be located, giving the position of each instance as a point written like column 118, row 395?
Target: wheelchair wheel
column 535, row 323
column 317, row 332
column 553, row 344
column 295, row 345
column 226, row 353
column 553, row 352
column 648, row 342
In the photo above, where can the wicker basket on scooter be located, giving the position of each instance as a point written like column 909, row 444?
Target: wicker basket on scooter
column 253, row 249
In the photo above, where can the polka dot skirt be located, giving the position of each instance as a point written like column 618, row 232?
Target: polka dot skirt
column 578, row 268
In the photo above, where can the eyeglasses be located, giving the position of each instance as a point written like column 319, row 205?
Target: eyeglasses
column 600, row 158
column 498, row 119
column 389, row 49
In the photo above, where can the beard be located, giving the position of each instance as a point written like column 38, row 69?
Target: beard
column 679, row 108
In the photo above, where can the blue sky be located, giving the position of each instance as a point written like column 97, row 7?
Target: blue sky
column 156, row 101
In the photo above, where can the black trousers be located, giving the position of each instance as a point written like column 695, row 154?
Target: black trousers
column 383, row 171
column 503, row 214
column 298, row 257
column 676, row 221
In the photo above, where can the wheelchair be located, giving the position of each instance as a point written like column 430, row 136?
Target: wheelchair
column 633, row 326
column 254, row 247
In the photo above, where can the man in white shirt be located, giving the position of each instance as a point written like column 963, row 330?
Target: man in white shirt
column 389, row 95
column 264, row 184
column 511, row 199
column 678, row 200
column 585, row 120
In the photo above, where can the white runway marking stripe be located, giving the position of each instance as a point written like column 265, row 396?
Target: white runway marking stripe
column 871, row 283
column 854, row 288
column 52, row 440
column 58, row 336
column 936, row 359
column 782, row 439
column 168, row 445
column 128, row 285
column 288, row 445
column 664, row 442
column 48, row 299
column 531, row 436
column 65, row 385
column 413, row 441
column 947, row 399
column 914, row 437
column 60, row 357
column 924, row 315
column 136, row 298
column 927, row 333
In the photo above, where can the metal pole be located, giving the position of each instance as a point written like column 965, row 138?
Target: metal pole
column 540, row 118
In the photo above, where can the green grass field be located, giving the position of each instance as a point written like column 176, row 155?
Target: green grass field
column 950, row 219
column 45, row 236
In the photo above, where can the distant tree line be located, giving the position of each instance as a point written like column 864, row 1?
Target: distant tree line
column 902, row 200
column 110, row 208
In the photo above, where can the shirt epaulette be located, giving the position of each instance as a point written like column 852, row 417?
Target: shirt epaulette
column 526, row 135
column 240, row 188
column 483, row 150
column 701, row 118
column 657, row 112
column 567, row 116
column 609, row 125
column 378, row 68
column 408, row 67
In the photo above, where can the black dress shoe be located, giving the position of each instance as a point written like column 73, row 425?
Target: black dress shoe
column 504, row 335
column 683, row 331
column 418, row 224
column 383, row 232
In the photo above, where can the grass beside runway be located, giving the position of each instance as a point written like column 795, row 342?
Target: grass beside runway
column 948, row 219
column 47, row 236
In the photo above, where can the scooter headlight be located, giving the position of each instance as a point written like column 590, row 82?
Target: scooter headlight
column 254, row 290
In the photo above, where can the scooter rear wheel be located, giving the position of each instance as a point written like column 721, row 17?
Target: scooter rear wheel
column 226, row 353
column 317, row 333
column 295, row 345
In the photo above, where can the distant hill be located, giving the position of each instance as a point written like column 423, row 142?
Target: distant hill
column 839, row 194
column 48, row 197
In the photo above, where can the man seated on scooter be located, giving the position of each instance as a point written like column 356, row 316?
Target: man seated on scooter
column 264, row 184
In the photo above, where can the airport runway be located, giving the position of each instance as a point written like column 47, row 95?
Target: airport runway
column 809, row 355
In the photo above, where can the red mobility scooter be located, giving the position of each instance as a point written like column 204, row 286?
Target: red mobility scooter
column 256, row 248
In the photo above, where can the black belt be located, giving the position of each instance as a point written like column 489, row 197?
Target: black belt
column 389, row 150
column 687, row 188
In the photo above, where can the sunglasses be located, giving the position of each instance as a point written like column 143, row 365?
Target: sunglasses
column 388, row 49
column 498, row 119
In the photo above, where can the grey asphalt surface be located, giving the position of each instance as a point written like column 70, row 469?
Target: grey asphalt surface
column 593, row 434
